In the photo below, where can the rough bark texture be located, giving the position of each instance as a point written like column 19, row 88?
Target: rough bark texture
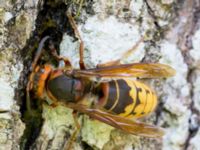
column 108, row 27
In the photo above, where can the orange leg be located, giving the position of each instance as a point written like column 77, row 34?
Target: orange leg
column 132, row 49
column 59, row 58
column 81, row 48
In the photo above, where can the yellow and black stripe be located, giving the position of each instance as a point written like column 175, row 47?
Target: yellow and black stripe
column 129, row 98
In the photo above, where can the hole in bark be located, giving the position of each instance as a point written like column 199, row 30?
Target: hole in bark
column 86, row 146
column 51, row 20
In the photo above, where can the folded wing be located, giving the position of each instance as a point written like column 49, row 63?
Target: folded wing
column 142, row 70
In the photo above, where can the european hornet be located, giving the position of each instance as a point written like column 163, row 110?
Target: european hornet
column 119, row 97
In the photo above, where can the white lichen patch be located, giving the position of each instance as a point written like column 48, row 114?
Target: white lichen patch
column 137, row 7
column 107, row 40
column 171, row 55
column 104, row 41
column 7, row 16
column 176, row 99
column 139, row 10
column 8, row 81
column 6, row 95
column 177, row 132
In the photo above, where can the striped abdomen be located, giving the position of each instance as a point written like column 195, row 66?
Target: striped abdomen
column 127, row 98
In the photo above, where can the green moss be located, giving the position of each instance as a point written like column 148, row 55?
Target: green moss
column 95, row 133
column 119, row 139
column 57, row 116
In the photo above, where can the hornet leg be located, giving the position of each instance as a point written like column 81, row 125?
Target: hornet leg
column 59, row 58
column 75, row 133
column 77, row 34
column 124, row 56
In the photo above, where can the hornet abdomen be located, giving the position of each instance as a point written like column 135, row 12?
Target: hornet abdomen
column 127, row 98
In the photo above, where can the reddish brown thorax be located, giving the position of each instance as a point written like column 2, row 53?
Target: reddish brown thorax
column 57, row 85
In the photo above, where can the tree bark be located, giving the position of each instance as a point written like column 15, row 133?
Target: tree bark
column 108, row 28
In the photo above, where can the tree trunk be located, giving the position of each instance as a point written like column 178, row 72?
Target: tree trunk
column 108, row 28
